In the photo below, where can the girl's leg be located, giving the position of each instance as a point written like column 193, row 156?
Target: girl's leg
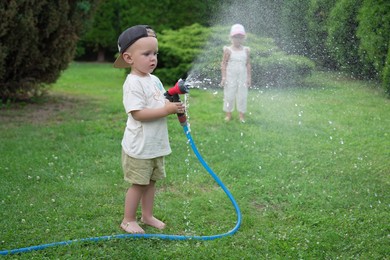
column 132, row 199
column 242, row 117
column 242, row 96
column 228, row 100
column 228, row 116
column 147, row 202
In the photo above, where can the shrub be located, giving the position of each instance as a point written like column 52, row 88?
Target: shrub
column 37, row 41
column 178, row 49
column 280, row 69
column 317, row 16
column 342, row 42
column 293, row 28
column 196, row 51
column 374, row 34
column 386, row 73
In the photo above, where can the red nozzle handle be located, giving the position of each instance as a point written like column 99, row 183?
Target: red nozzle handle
column 180, row 88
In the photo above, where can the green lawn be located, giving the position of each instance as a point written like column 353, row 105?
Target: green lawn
column 309, row 169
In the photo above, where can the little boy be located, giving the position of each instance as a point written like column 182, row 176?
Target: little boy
column 145, row 141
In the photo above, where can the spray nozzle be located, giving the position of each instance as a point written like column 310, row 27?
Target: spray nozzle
column 181, row 87
column 172, row 94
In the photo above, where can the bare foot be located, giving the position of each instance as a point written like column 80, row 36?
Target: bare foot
column 132, row 227
column 153, row 222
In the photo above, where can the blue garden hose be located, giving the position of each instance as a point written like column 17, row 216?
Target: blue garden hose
column 160, row 236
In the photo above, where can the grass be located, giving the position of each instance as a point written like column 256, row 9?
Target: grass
column 309, row 170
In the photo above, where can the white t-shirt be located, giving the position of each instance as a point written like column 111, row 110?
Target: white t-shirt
column 144, row 140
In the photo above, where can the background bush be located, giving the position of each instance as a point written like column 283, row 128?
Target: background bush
column 293, row 27
column 37, row 41
column 341, row 41
column 374, row 35
column 114, row 16
column 197, row 51
column 38, row 38
column 349, row 35
column 386, row 73
column 178, row 49
column 317, row 17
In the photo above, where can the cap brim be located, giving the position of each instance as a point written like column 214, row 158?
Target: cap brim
column 120, row 63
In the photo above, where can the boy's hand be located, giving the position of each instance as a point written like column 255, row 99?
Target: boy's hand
column 174, row 107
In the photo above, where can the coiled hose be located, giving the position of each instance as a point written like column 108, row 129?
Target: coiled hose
column 159, row 236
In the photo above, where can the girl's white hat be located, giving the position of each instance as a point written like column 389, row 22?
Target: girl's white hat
column 237, row 29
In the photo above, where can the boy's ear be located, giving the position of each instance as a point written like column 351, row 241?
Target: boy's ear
column 127, row 58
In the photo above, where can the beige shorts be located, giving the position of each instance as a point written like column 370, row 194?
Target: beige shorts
column 141, row 171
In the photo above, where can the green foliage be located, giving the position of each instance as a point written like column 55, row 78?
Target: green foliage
column 102, row 31
column 178, row 49
column 200, row 49
column 260, row 17
column 293, row 27
column 327, row 31
column 37, row 40
column 114, row 16
column 342, row 42
column 280, row 69
column 386, row 73
column 166, row 14
column 374, row 33
column 347, row 35
column 317, row 18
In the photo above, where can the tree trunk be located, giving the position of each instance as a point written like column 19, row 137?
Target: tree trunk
column 101, row 57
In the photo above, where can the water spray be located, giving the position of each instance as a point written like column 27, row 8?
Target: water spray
column 181, row 87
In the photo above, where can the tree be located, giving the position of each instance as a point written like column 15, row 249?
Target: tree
column 37, row 41
column 374, row 34
column 114, row 16
column 317, row 17
column 260, row 17
column 293, row 27
column 386, row 73
column 102, row 31
column 342, row 42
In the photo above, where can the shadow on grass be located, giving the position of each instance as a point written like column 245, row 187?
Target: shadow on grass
column 49, row 108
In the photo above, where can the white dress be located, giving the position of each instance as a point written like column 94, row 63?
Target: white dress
column 235, row 89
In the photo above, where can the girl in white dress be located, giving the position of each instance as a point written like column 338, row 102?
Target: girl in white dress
column 236, row 73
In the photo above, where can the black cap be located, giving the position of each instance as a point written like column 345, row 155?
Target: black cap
column 127, row 38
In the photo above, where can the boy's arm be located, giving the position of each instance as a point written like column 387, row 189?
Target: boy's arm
column 150, row 114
